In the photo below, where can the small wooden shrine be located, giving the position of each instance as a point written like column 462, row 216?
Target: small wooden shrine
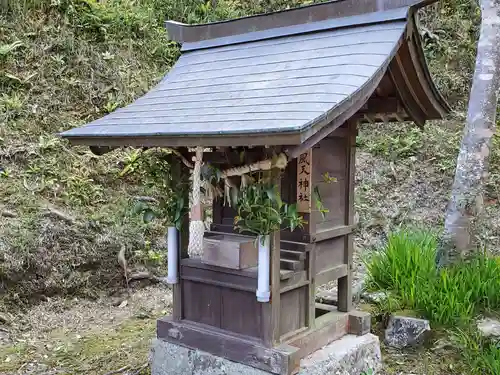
column 293, row 85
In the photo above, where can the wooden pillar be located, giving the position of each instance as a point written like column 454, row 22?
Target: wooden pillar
column 345, row 283
column 272, row 309
column 180, row 173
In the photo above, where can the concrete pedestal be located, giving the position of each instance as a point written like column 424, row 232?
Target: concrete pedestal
column 350, row 355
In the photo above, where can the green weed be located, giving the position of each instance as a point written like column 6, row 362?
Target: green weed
column 406, row 267
column 401, row 143
column 451, row 297
column 480, row 353
column 400, row 265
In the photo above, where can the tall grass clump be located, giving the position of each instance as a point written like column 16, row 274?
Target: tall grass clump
column 405, row 266
column 451, row 297
column 405, row 262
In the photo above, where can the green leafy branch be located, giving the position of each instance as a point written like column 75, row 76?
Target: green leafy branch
column 261, row 210
column 171, row 210
column 160, row 171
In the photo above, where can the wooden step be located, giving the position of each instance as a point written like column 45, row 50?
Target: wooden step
column 292, row 255
column 286, row 274
column 294, row 265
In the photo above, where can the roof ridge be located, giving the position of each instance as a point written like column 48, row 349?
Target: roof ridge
column 378, row 17
column 330, row 10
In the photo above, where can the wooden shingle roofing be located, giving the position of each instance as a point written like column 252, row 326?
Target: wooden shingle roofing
column 280, row 79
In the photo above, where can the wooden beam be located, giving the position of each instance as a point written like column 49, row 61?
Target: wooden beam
column 275, row 273
column 327, row 298
column 341, row 230
column 405, row 93
column 368, row 118
column 272, row 310
column 377, row 105
column 359, row 323
column 345, row 283
column 234, row 347
column 326, row 307
column 331, row 274
column 296, row 280
column 383, row 117
column 180, row 172
column 311, row 293
column 329, row 327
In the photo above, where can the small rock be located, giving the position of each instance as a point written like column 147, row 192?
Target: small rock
column 123, row 304
column 376, row 297
column 4, row 319
column 489, row 327
column 403, row 332
column 117, row 301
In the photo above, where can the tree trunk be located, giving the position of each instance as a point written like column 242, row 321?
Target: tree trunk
column 466, row 200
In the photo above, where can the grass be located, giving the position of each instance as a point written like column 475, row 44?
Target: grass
column 451, row 297
column 64, row 63
column 482, row 354
column 407, row 176
column 96, row 353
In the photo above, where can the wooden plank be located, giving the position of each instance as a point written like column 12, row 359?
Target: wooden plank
column 241, row 313
column 286, row 274
column 219, row 284
column 329, row 253
column 294, row 286
column 294, row 265
column 292, row 255
column 409, row 103
column 290, row 335
column 177, row 301
column 275, row 288
column 296, row 246
column 274, row 334
column 233, row 347
column 311, row 294
column 322, row 306
column 197, row 263
column 331, row 274
column 180, row 172
column 345, row 283
column 297, row 279
column 329, row 160
column 218, row 278
column 292, row 309
column 202, row 303
column 327, row 298
column 329, row 327
column 337, row 231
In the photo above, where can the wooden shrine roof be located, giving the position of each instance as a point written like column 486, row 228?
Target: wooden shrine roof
column 280, row 78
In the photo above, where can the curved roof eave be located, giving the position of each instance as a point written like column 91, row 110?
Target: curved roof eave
column 268, row 92
column 281, row 87
column 416, row 49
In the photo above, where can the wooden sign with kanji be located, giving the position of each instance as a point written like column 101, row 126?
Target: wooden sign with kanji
column 304, row 182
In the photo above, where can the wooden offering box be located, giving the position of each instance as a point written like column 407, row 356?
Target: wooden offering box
column 230, row 251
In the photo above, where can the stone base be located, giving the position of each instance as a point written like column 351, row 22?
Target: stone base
column 350, row 355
